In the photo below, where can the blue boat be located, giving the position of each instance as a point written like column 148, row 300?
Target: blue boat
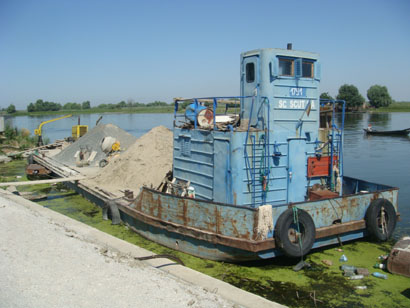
column 260, row 175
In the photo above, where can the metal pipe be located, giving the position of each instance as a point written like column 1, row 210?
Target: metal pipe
column 214, row 110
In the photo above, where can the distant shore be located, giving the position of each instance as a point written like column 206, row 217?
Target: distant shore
column 394, row 107
column 167, row 109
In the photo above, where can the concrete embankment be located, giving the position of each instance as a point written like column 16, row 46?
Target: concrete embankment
column 50, row 260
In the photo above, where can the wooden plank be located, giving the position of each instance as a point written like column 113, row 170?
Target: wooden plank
column 58, row 168
column 68, row 179
column 340, row 228
column 36, row 148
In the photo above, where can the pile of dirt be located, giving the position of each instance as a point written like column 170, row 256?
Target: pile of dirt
column 145, row 163
column 91, row 142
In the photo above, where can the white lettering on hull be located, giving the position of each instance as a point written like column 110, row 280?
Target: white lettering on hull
column 295, row 104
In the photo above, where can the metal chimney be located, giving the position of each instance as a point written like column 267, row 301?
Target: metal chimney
column 289, row 46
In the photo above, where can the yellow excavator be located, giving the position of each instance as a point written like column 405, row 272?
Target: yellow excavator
column 76, row 131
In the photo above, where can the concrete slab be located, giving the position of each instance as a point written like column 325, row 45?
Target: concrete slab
column 50, row 260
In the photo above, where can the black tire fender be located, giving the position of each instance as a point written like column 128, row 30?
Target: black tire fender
column 373, row 216
column 286, row 227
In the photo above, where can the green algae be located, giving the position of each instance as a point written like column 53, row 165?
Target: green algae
column 10, row 171
column 317, row 286
column 273, row 279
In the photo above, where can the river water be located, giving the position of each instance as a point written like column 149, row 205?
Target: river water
column 379, row 159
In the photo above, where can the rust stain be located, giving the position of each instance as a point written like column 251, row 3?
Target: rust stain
column 354, row 202
column 150, row 204
column 235, row 230
column 255, row 226
column 159, row 204
column 185, row 210
column 234, row 198
column 208, row 222
column 345, row 202
column 181, row 211
column 246, row 236
column 375, row 196
column 211, row 237
column 218, row 220
column 138, row 202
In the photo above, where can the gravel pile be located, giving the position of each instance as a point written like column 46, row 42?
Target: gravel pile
column 144, row 163
column 92, row 142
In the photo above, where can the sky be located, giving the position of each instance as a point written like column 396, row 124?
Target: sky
column 109, row 51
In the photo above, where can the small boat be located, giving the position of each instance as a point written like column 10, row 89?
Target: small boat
column 399, row 258
column 403, row 132
column 37, row 172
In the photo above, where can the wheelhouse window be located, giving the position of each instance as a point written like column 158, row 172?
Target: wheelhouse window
column 307, row 69
column 250, row 72
column 286, row 67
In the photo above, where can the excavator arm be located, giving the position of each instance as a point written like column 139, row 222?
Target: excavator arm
column 37, row 131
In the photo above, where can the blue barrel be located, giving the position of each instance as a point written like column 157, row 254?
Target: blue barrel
column 190, row 113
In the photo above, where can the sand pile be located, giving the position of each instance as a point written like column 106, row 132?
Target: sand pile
column 145, row 163
column 92, row 142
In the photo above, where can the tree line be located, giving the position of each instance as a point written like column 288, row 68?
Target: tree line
column 378, row 96
column 41, row 105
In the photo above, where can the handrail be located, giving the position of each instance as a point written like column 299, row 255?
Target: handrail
column 339, row 145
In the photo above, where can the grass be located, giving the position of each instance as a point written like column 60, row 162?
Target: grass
column 273, row 279
column 16, row 139
column 394, row 107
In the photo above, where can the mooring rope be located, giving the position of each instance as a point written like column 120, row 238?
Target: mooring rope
column 296, row 221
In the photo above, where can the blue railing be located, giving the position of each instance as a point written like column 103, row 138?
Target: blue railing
column 252, row 171
column 336, row 144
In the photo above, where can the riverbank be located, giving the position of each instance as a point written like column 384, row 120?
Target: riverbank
column 162, row 109
column 272, row 279
column 50, row 260
column 15, row 139
column 394, row 107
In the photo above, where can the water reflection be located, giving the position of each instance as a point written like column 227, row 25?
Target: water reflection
column 379, row 120
column 353, row 120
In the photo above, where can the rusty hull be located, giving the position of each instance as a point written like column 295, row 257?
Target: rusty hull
column 235, row 226
column 227, row 232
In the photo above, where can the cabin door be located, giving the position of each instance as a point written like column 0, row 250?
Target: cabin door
column 222, row 171
column 297, row 170
column 249, row 86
